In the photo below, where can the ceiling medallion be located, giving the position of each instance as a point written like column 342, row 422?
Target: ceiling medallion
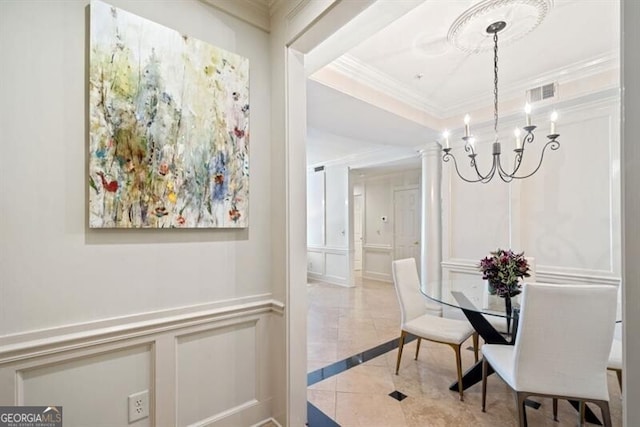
column 468, row 31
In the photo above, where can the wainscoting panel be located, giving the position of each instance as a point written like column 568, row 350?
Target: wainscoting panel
column 92, row 390
column 205, row 366
column 376, row 262
column 570, row 214
column 315, row 262
column 329, row 265
column 566, row 216
column 216, row 371
column 337, row 266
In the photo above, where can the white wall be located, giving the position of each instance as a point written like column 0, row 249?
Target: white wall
column 567, row 216
column 378, row 237
column 328, row 225
column 99, row 292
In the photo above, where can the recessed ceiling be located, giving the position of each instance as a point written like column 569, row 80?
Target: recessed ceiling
column 576, row 37
column 572, row 32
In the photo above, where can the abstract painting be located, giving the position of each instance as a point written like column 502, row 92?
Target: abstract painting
column 169, row 127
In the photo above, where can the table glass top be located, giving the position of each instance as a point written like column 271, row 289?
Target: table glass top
column 469, row 294
column 472, row 294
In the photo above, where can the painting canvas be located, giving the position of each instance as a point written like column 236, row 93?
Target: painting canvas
column 169, row 127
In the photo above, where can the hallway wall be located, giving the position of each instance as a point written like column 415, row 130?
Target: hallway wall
column 185, row 314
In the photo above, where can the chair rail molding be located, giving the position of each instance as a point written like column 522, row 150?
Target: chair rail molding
column 544, row 274
column 164, row 344
column 91, row 333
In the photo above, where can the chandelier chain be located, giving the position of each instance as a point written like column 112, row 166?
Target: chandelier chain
column 495, row 84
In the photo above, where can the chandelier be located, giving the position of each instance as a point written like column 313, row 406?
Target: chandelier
column 521, row 139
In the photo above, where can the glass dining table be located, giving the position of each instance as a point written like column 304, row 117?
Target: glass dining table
column 462, row 298
column 469, row 298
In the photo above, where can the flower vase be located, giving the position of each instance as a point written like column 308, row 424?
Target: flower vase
column 508, row 311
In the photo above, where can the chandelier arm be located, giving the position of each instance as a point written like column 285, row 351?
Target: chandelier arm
column 528, row 139
column 553, row 145
column 447, row 156
column 507, row 177
column 485, row 178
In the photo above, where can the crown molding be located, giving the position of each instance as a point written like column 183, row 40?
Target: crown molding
column 353, row 68
column 254, row 12
column 374, row 157
column 570, row 73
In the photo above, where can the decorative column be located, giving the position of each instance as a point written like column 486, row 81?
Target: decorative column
column 431, row 224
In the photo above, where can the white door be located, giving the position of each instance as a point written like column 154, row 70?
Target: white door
column 357, row 231
column 406, row 207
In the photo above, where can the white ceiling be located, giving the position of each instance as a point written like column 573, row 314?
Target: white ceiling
column 575, row 36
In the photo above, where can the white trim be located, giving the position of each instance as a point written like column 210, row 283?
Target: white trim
column 544, row 274
column 328, row 249
column 295, row 9
column 333, row 280
column 377, row 276
column 377, row 247
column 353, row 68
column 254, row 12
column 322, row 274
column 378, row 156
column 90, row 334
column 227, row 413
column 268, row 420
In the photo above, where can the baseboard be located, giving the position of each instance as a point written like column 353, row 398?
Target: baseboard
column 268, row 422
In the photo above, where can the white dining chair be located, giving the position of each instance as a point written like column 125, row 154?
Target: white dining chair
column 416, row 321
column 562, row 346
column 615, row 355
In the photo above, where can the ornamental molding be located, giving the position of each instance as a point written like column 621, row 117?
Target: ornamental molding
column 468, row 34
column 356, row 70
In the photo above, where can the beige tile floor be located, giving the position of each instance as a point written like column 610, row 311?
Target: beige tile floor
column 345, row 321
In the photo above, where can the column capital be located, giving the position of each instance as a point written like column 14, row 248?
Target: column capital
column 430, row 149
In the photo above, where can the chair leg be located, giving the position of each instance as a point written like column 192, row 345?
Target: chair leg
column 606, row 414
column 555, row 409
column 485, row 369
column 522, row 413
column 403, row 334
column 418, row 347
column 475, row 345
column 581, row 406
column 456, row 348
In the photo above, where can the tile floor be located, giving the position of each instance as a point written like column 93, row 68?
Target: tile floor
column 346, row 321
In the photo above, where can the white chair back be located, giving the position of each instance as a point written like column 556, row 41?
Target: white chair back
column 407, row 284
column 564, row 338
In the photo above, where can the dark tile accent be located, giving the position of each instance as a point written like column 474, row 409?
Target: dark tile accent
column 399, row 396
column 353, row 361
column 317, row 418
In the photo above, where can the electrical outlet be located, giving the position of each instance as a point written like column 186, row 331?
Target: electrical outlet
column 138, row 406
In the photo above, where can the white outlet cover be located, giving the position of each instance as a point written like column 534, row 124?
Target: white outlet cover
column 138, row 406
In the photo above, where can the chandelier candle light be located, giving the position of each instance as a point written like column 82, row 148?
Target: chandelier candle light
column 520, row 140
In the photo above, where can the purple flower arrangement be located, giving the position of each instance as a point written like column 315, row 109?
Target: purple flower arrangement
column 503, row 269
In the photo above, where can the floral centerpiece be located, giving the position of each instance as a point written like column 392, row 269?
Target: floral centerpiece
column 503, row 270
